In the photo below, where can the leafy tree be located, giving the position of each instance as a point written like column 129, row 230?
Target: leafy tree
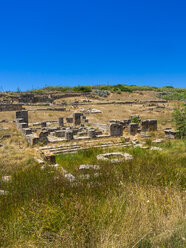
column 179, row 116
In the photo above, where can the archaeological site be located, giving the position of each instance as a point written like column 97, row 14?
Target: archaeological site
column 92, row 155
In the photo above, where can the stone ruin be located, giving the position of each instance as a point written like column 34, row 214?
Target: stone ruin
column 133, row 128
column 61, row 122
column 116, row 129
column 78, row 130
column 77, row 118
column 149, row 125
column 10, row 107
column 170, row 134
column 35, row 134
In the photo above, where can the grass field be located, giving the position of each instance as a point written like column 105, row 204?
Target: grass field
column 137, row 203
column 131, row 204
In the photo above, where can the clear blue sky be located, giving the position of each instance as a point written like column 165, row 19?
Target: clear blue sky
column 73, row 42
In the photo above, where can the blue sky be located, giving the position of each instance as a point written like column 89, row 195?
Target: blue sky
column 81, row 42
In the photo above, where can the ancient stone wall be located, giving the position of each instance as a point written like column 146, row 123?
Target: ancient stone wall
column 11, row 107
column 149, row 125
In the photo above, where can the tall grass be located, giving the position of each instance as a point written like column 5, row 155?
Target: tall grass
column 138, row 203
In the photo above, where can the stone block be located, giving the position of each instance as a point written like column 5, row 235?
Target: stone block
column 77, row 118
column 170, row 134
column 60, row 133
column 144, row 125
column 43, row 137
column 92, row 133
column 116, row 129
column 26, row 131
column 20, row 126
column 22, row 114
column 69, row 119
column 32, row 139
column 133, row 128
column 61, row 122
column 43, row 124
column 152, row 125
column 69, row 134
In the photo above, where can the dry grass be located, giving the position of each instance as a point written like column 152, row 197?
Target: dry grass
column 138, row 204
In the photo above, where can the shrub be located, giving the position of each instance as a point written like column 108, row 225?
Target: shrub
column 179, row 116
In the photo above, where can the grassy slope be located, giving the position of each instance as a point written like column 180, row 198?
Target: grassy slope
column 133, row 204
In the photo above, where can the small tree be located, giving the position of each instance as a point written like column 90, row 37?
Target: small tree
column 179, row 116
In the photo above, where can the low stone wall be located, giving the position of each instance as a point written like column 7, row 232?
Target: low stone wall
column 11, row 107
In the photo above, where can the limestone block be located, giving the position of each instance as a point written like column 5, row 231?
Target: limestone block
column 152, row 125
column 92, row 133
column 133, row 128
column 116, row 129
column 61, row 122
column 22, row 114
column 77, row 118
column 69, row 134
column 43, row 124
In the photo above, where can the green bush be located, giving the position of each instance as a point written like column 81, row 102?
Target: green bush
column 82, row 89
column 179, row 116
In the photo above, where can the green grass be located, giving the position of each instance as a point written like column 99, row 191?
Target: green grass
column 138, row 203
column 169, row 93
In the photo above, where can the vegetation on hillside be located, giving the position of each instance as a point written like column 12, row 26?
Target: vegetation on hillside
column 166, row 92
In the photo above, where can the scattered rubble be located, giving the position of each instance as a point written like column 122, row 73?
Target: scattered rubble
column 121, row 156
column 7, row 179
column 154, row 148
column 4, row 192
column 89, row 166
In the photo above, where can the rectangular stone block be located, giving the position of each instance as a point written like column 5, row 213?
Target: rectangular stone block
column 20, row 126
column 32, row 139
column 60, row 133
column 77, row 118
column 133, row 128
column 22, row 114
column 26, row 131
column 116, row 129
column 69, row 119
column 43, row 124
column 152, row 125
column 92, row 133
column 144, row 125
column 170, row 134
column 69, row 134
column 61, row 122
